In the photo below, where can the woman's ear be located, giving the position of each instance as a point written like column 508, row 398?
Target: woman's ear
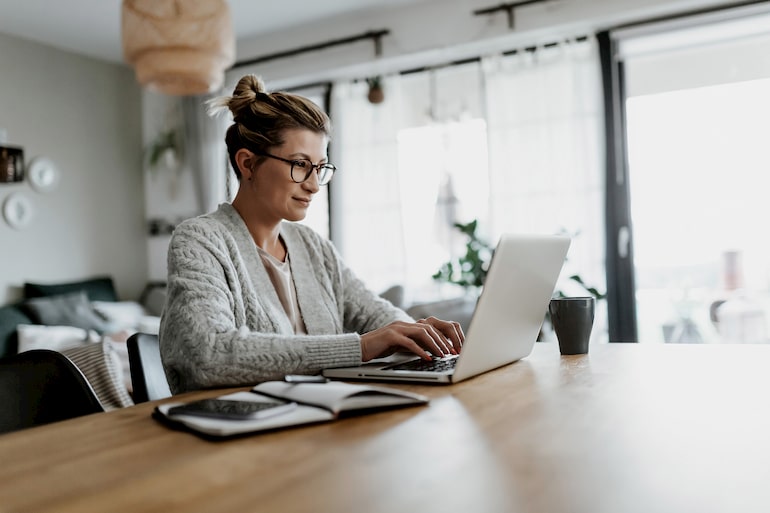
column 246, row 161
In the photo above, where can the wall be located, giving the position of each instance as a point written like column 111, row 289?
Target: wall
column 85, row 115
column 168, row 189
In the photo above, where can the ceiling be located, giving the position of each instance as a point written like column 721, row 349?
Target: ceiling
column 92, row 27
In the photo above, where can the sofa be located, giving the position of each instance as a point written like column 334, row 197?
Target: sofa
column 458, row 309
column 86, row 321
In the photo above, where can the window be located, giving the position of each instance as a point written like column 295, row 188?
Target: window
column 697, row 113
column 511, row 141
column 699, row 209
column 444, row 180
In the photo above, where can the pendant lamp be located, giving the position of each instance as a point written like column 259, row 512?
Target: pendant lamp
column 178, row 47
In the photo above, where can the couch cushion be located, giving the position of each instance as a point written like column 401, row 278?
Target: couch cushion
column 122, row 315
column 395, row 295
column 55, row 338
column 458, row 309
column 97, row 289
column 72, row 309
column 10, row 317
column 153, row 297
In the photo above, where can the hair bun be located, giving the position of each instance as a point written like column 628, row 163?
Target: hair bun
column 248, row 89
column 250, row 86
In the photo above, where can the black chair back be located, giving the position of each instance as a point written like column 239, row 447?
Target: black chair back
column 147, row 376
column 41, row 386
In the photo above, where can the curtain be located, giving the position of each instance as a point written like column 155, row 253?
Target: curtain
column 393, row 200
column 205, row 152
column 546, row 171
column 442, row 170
column 365, row 192
column 512, row 141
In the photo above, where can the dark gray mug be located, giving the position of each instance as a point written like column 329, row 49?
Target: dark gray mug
column 572, row 319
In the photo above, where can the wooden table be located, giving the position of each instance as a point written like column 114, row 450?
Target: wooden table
column 627, row 428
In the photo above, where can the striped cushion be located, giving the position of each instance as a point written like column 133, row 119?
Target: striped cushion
column 102, row 368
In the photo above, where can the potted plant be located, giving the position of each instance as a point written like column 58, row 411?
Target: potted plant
column 376, row 94
column 470, row 269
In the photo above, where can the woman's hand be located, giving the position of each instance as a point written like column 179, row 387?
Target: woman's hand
column 424, row 337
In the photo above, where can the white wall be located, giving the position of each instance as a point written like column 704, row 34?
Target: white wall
column 169, row 191
column 85, row 115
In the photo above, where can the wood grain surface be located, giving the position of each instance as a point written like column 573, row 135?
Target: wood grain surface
column 627, row 428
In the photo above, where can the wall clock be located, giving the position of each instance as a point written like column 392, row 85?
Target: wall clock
column 43, row 174
column 17, row 210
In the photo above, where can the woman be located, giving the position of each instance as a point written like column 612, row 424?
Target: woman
column 252, row 297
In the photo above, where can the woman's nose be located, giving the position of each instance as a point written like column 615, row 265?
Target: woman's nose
column 311, row 184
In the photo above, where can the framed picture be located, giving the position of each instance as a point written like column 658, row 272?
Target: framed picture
column 11, row 164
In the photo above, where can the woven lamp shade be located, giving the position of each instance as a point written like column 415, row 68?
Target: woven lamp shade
column 178, row 47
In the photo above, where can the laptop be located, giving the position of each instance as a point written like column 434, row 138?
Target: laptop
column 505, row 323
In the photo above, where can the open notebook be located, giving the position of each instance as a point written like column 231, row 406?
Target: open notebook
column 505, row 323
column 315, row 402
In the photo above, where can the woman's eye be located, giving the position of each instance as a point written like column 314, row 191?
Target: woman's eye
column 302, row 164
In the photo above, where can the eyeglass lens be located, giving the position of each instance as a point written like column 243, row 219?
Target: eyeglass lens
column 301, row 170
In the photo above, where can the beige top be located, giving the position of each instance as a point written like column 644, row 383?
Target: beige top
column 280, row 275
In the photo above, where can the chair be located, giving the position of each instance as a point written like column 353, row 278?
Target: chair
column 147, row 375
column 42, row 386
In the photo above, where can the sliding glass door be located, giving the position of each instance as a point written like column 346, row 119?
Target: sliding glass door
column 696, row 118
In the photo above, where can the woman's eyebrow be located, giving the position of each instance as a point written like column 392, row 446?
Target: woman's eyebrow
column 300, row 155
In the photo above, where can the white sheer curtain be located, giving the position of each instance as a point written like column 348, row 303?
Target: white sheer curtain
column 519, row 136
column 394, row 158
column 443, row 170
column 205, row 152
column 546, row 147
column 365, row 191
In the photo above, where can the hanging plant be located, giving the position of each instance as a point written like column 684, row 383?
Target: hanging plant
column 165, row 149
column 376, row 93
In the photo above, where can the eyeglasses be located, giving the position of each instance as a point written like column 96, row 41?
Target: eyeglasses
column 301, row 169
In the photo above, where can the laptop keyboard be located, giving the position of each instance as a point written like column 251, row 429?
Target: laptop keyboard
column 435, row 365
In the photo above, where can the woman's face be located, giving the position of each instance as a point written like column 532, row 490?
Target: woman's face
column 273, row 192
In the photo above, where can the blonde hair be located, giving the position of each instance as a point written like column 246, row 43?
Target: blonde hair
column 261, row 118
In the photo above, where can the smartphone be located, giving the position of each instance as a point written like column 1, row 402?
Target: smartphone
column 232, row 409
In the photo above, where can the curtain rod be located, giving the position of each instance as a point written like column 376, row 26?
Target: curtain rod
column 532, row 48
column 469, row 60
column 375, row 35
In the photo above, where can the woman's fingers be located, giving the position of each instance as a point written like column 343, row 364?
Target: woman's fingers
column 424, row 337
column 451, row 330
column 428, row 337
column 388, row 339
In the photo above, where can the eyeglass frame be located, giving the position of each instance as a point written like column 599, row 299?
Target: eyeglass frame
column 313, row 167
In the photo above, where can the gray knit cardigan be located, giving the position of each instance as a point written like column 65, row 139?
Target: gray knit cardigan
column 223, row 324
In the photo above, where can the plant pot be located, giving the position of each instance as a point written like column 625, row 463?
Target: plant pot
column 376, row 95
